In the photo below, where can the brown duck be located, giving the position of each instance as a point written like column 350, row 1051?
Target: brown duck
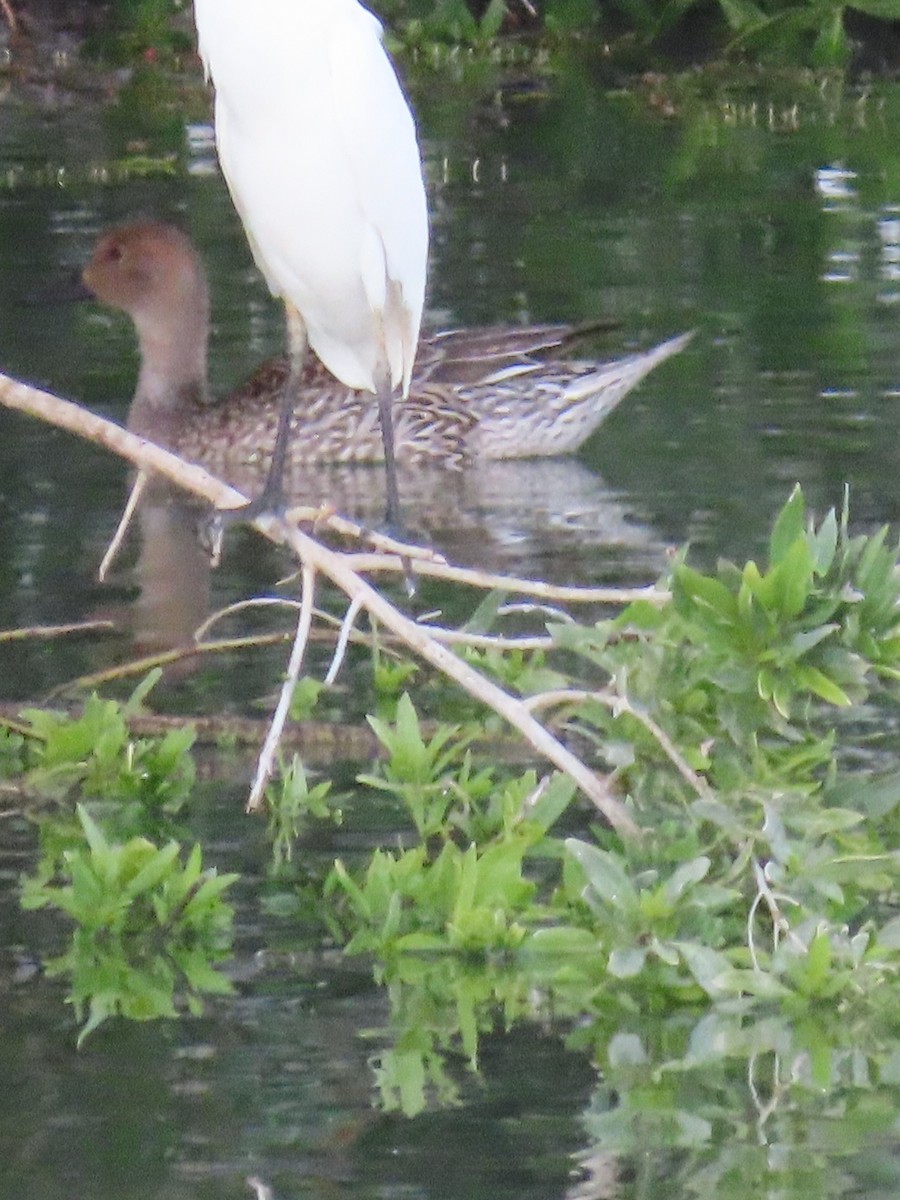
column 499, row 393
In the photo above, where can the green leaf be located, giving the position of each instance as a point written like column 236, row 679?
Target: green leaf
column 493, row 17
column 787, row 585
column 875, row 796
column 627, row 962
column 831, row 48
column 92, row 831
column 824, row 542
column 552, row 802
column 686, row 876
column 802, row 643
column 560, row 941
column 705, row 592
column 742, row 15
column 606, row 877
column 888, row 936
column 818, row 964
column 760, row 984
column 135, row 701
column 813, row 680
column 789, row 527
column 707, row 966
column 305, row 697
column 158, row 864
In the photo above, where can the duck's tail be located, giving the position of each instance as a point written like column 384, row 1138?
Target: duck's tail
column 550, row 408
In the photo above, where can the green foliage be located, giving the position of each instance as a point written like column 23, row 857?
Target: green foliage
column 812, row 32
column 454, row 22
column 517, row 670
column 727, row 715
column 734, row 669
column 439, row 1006
column 292, row 803
column 442, row 896
column 785, row 32
column 419, row 773
column 94, row 755
column 135, row 786
column 12, row 753
column 391, row 676
column 305, row 698
column 766, row 868
column 148, row 930
column 145, row 28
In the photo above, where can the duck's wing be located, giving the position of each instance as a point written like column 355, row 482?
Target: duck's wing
column 461, row 356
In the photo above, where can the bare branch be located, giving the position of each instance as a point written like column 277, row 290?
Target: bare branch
column 242, row 606
column 369, row 563
column 11, row 19
column 618, row 702
column 342, row 570
column 52, row 631
column 343, row 638
column 266, row 762
column 137, row 490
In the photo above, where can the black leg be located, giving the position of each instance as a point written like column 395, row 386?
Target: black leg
column 272, row 498
column 394, row 517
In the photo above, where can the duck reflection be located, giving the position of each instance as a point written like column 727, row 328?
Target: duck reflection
column 172, row 574
column 551, row 519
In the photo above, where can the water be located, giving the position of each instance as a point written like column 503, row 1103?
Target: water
column 771, row 224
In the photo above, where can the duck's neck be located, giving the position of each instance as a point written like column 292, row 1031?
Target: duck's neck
column 172, row 378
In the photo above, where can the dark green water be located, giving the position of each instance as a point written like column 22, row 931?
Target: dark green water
column 769, row 223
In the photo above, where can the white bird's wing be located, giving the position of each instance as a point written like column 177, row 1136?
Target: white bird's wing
column 319, row 151
column 378, row 137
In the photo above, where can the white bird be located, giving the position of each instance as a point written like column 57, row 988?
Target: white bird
column 318, row 148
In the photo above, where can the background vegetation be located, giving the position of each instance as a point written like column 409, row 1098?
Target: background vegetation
column 819, row 33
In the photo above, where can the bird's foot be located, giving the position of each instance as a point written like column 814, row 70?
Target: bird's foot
column 395, row 528
column 271, row 502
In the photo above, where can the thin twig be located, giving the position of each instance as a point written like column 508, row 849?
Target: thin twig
column 266, row 763
column 137, row 490
column 545, row 610
column 165, row 658
column 52, row 631
column 780, row 923
column 241, row 606
column 343, row 638
column 561, row 696
column 487, row 641
column 619, row 703
column 329, row 519
column 11, row 19
column 336, row 568
column 11, row 725
column 487, row 580
column 765, row 1108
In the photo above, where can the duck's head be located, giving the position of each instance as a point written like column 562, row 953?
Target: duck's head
column 152, row 272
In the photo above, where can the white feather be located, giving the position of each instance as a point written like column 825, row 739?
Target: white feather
column 319, row 150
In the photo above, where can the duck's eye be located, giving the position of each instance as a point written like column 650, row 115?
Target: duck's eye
column 113, row 253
